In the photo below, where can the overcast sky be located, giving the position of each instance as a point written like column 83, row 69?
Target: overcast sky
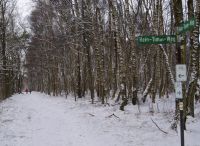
column 24, row 8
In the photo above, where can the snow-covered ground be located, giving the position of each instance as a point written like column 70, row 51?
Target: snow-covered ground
column 40, row 120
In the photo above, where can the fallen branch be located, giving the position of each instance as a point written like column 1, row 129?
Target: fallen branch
column 91, row 114
column 112, row 115
column 158, row 127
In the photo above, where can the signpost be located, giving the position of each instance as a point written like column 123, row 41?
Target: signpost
column 163, row 39
column 181, row 72
column 181, row 75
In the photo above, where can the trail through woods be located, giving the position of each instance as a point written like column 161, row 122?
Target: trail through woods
column 40, row 120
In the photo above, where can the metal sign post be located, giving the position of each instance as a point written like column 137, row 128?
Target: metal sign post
column 179, row 96
column 181, row 121
column 181, row 76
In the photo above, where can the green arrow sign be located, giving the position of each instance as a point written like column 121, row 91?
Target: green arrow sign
column 163, row 39
column 186, row 26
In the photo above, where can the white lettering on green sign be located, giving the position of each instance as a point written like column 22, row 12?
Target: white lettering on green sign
column 186, row 26
column 164, row 39
column 171, row 39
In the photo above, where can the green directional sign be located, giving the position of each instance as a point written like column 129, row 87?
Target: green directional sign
column 186, row 26
column 163, row 39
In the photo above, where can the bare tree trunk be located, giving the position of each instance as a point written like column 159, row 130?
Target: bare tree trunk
column 194, row 41
column 86, row 44
column 3, row 45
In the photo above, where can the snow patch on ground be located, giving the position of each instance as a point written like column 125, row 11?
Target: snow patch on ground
column 40, row 120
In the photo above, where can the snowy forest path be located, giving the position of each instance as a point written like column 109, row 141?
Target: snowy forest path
column 39, row 120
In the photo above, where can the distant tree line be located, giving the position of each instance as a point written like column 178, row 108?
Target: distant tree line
column 12, row 42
